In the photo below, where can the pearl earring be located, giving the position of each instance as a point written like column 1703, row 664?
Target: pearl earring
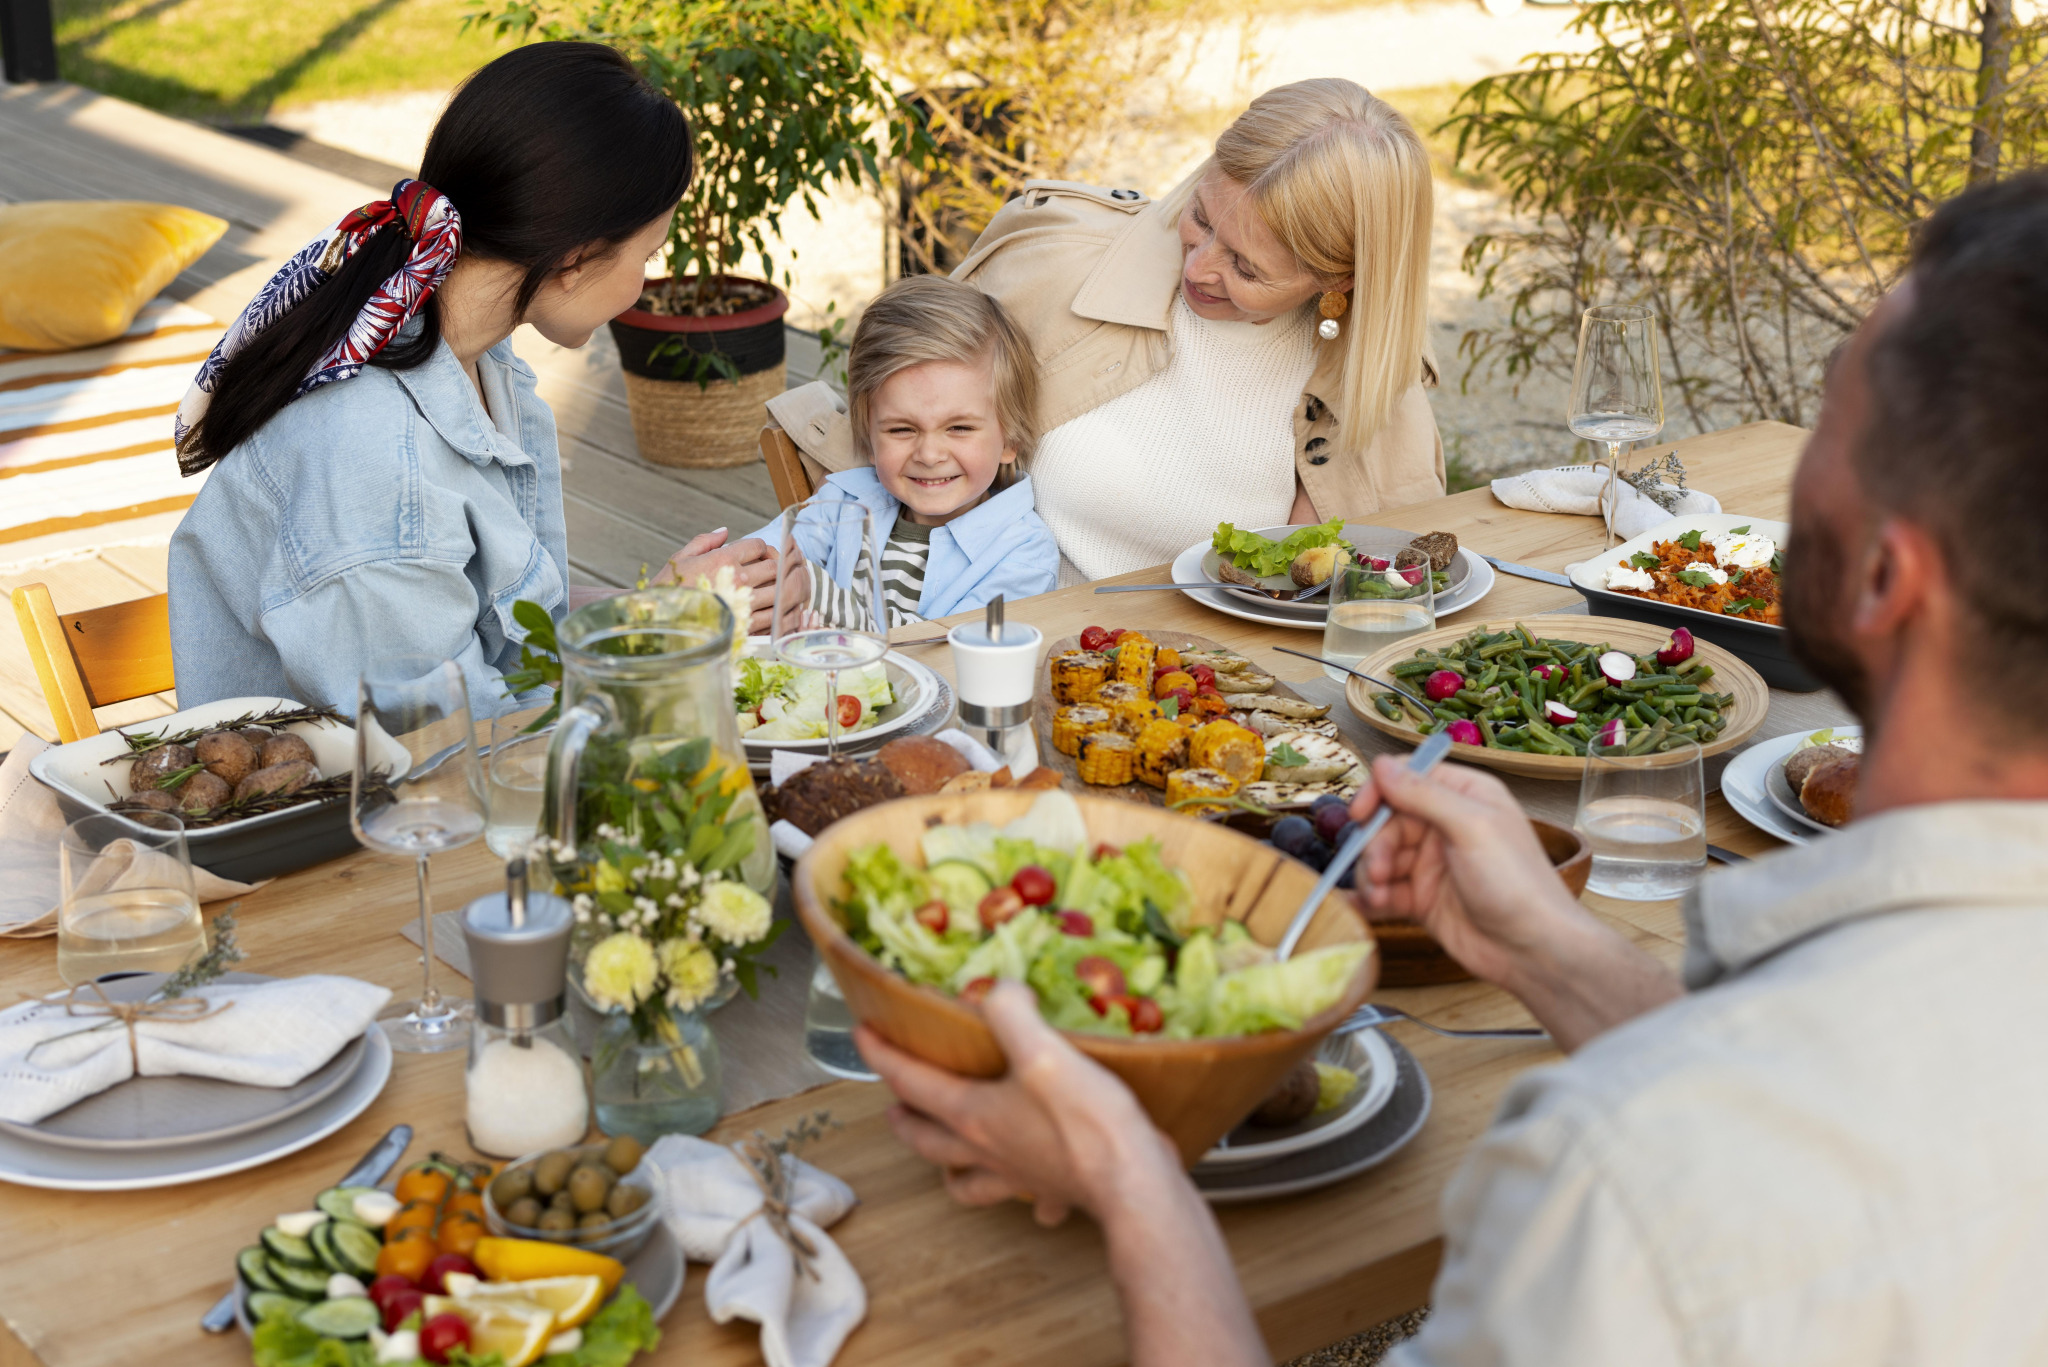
column 1332, row 306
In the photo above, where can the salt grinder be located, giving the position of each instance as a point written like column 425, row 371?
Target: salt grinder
column 526, row 1085
column 995, row 669
column 518, row 955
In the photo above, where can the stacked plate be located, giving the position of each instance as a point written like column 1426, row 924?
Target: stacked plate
column 163, row 1131
column 1471, row 579
column 923, row 704
column 1754, row 784
column 1384, row 1112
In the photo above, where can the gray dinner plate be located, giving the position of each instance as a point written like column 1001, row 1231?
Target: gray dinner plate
column 1372, row 1143
column 1779, row 791
column 1383, row 542
column 164, row 1112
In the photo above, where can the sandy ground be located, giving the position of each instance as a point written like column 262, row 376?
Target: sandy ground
column 838, row 256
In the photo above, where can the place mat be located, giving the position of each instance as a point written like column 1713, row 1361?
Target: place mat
column 761, row 1040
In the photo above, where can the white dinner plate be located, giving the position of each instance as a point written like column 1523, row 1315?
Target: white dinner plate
column 1364, row 1052
column 918, row 691
column 1744, row 782
column 30, row 1164
column 1476, row 583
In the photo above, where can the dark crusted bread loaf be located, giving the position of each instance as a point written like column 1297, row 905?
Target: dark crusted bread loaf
column 1829, row 793
column 1440, row 547
column 818, row 796
column 1800, row 763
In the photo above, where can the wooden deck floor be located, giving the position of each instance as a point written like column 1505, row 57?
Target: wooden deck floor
column 59, row 141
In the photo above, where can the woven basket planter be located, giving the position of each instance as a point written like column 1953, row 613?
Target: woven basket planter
column 680, row 422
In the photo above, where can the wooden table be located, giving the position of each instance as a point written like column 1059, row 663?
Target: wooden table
column 123, row 1278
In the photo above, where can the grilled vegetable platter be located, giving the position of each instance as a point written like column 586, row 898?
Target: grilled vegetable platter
column 1177, row 719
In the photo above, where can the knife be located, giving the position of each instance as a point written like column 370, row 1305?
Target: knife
column 1530, row 572
column 375, row 1164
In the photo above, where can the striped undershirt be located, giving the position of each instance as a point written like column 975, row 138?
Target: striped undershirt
column 903, row 560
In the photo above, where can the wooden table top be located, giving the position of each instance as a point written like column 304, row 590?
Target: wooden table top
column 123, row 1278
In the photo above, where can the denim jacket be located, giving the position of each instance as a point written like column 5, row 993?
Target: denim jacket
column 1001, row 546
column 389, row 513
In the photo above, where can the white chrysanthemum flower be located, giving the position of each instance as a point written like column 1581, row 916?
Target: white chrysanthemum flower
column 738, row 597
column 692, row 973
column 619, row 974
column 735, row 913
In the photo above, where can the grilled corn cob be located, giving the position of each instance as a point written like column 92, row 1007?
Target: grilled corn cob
column 1229, row 747
column 1076, row 674
column 1069, row 724
column 1183, row 784
column 1134, row 652
column 1162, row 748
column 1106, row 758
column 1130, row 707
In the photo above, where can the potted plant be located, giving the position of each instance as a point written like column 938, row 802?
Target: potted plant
column 781, row 106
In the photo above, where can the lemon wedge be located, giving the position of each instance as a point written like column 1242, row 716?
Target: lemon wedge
column 514, row 1328
column 571, row 1300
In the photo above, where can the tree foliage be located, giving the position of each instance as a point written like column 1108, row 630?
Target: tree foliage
column 1754, row 169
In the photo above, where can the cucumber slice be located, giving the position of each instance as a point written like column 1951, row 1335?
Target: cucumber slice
column 355, row 1249
column 321, row 1238
column 351, row 1317
column 264, row 1305
column 340, row 1202
column 959, row 884
column 289, row 1248
column 255, row 1269
column 310, row 1282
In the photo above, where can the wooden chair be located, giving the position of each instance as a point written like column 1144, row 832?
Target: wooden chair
column 786, row 470
column 96, row 658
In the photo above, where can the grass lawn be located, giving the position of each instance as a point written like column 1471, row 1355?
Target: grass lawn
column 232, row 61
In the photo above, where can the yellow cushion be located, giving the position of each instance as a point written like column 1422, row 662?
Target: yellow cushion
column 73, row 272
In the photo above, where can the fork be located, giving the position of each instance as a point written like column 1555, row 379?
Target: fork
column 1372, row 1016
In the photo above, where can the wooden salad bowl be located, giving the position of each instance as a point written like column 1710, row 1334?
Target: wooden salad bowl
column 1194, row 1090
column 1731, row 675
column 1411, row 957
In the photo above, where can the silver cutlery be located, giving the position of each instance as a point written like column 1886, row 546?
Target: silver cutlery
column 1372, row 1016
column 378, row 1161
column 1529, row 572
column 1289, row 650
column 1726, row 856
column 1421, row 762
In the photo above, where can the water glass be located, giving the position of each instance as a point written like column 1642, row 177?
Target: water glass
column 844, row 624
column 828, row 1029
column 515, row 772
column 1645, row 815
column 128, row 902
column 1371, row 608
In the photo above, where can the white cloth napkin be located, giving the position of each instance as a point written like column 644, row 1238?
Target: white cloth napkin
column 1582, row 489
column 30, row 826
column 708, row 1194
column 273, row 1035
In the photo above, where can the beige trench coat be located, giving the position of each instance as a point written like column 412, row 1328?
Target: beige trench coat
column 1111, row 335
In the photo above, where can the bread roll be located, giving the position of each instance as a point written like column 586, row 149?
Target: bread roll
column 285, row 748
column 276, row 780
column 1800, row 763
column 227, row 756
column 1829, row 793
column 921, row 764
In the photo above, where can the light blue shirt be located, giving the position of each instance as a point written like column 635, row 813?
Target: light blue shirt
column 388, row 513
column 1001, row 546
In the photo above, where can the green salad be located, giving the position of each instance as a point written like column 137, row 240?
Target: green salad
column 782, row 702
column 1102, row 935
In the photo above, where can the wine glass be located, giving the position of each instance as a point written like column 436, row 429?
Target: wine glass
column 417, row 790
column 1616, row 394
column 839, row 623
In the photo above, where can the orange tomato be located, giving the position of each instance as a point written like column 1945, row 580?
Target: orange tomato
column 1166, row 656
column 407, row 1255
column 420, row 1215
column 464, row 1202
column 423, row 1184
column 459, row 1233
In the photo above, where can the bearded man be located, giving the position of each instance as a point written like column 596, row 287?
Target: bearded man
column 1829, row 1143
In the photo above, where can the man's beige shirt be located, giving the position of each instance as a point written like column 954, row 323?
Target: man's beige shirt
column 1834, row 1151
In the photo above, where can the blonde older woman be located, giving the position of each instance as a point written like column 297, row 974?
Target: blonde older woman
column 1249, row 349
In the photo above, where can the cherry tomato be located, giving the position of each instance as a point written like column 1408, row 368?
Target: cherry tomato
column 933, row 916
column 1034, row 885
column 1201, row 674
column 406, row 1256
column 1146, row 1017
column 441, row 1335
column 1117, row 635
column 1105, row 850
column 418, row 1215
column 999, row 906
column 1102, row 978
column 386, row 1286
column 459, row 1233
column 422, row 1184
column 1208, row 691
column 1078, row 923
column 1183, row 697
column 400, row 1306
column 976, row 989
column 438, row 1270
column 849, row 710
column 1093, row 638
column 464, row 1201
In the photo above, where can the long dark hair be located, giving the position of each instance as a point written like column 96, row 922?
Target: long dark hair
column 550, row 148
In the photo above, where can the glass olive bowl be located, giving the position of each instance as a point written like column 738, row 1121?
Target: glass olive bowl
column 620, row 1238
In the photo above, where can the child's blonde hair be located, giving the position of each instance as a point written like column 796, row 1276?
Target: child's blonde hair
column 925, row 318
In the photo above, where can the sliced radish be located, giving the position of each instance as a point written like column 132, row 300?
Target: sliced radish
column 1376, row 563
column 1614, row 733
column 1559, row 713
column 1443, row 684
column 1617, row 667
column 1466, row 732
column 1680, row 649
column 1544, row 672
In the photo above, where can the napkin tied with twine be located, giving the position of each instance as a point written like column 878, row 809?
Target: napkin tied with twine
column 1582, row 489
column 759, row 1218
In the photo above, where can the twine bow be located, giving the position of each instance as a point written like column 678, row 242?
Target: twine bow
column 764, row 1163
column 170, row 1010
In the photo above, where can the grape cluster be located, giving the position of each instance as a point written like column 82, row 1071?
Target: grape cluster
column 1313, row 839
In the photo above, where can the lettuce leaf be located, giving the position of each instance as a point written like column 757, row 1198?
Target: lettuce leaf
column 615, row 1335
column 1262, row 555
column 757, row 681
column 1008, row 952
column 1114, row 891
column 1280, row 996
column 287, row 1343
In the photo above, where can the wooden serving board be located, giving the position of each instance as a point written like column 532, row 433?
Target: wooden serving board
column 1731, row 675
column 1067, row 766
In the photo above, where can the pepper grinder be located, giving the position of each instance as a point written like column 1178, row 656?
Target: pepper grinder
column 525, row 1083
column 995, row 670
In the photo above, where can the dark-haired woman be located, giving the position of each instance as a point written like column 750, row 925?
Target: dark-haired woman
column 388, row 480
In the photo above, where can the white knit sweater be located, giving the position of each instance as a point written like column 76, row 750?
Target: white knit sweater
column 1208, row 439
